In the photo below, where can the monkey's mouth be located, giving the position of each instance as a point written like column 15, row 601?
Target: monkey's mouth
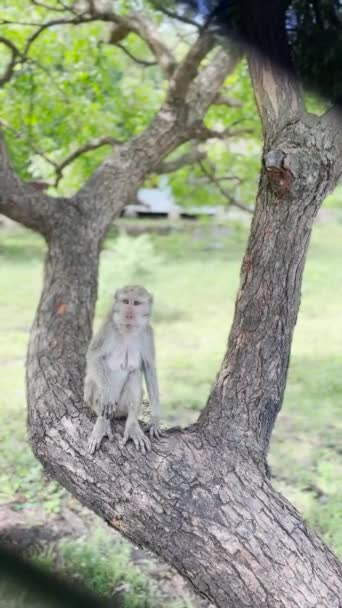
column 129, row 323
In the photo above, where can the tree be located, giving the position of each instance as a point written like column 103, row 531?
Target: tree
column 203, row 500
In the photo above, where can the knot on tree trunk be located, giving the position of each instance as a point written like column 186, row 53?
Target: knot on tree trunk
column 300, row 163
column 280, row 177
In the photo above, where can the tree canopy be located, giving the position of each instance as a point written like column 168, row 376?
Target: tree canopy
column 70, row 89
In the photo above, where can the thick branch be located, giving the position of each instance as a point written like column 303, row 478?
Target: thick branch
column 278, row 94
column 204, row 89
column 23, row 202
column 297, row 175
column 187, row 70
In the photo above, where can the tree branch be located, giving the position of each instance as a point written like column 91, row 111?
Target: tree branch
column 176, row 16
column 143, row 27
column 331, row 123
column 205, row 87
column 203, row 133
column 227, row 195
column 223, row 100
column 190, row 158
column 62, row 9
column 7, row 75
column 23, row 202
column 93, row 144
column 187, row 69
column 78, row 20
column 277, row 92
column 41, row 27
column 143, row 62
column 136, row 23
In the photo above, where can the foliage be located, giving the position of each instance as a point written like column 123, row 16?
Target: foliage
column 75, row 87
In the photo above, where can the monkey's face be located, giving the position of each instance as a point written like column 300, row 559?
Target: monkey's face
column 132, row 307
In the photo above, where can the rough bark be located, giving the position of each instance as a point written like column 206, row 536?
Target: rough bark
column 296, row 177
column 201, row 499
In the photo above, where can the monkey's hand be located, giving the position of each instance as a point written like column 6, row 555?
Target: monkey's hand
column 109, row 408
column 134, row 432
column 153, row 428
column 101, row 429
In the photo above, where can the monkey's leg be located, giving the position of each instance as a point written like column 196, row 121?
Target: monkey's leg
column 101, row 429
column 113, row 391
column 131, row 401
column 110, row 395
column 102, row 425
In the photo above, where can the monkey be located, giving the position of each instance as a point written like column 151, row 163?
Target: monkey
column 119, row 355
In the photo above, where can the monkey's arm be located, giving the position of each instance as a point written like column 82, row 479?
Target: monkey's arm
column 109, row 382
column 150, row 373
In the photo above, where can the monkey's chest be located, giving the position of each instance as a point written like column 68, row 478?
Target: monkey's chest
column 125, row 356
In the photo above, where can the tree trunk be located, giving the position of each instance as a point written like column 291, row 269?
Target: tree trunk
column 295, row 178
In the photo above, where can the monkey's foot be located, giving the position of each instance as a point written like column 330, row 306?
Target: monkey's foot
column 140, row 440
column 153, row 428
column 101, row 429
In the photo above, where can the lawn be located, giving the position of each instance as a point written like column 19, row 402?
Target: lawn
column 194, row 275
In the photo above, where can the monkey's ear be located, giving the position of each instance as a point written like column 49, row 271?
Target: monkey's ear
column 151, row 299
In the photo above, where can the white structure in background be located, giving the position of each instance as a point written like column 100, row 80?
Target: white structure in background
column 153, row 201
column 159, row 202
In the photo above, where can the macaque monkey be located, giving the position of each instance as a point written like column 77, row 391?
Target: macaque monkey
column 118, row 355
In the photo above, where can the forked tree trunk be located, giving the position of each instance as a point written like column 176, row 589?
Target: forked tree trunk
column 201, row 499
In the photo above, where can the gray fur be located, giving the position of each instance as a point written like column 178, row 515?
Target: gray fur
column 119, row 355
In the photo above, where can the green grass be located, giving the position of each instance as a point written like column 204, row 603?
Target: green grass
column 194, row 276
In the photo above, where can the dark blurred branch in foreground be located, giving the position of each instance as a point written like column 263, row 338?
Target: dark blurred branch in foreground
column 43, row 585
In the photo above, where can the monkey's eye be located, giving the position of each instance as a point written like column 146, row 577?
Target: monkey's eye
column 125, row 301
column 136, row 302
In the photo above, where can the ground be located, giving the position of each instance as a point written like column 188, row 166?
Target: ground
column 194, row 275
